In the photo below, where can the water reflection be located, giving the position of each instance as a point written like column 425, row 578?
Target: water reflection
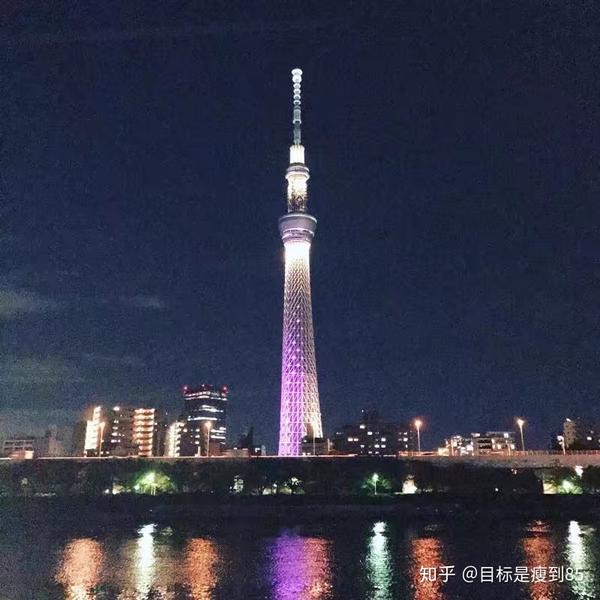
column 154, row 562
column 201, row 565
column 301, row 567
column 580, row 559
column 379, row 568
column 80, row 568
column 540, row 553
column 426, row 553
column 144, row 558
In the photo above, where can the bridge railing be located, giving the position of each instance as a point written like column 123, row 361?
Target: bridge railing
column 512, row 454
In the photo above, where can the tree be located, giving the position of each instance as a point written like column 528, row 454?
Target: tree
column 590, row 480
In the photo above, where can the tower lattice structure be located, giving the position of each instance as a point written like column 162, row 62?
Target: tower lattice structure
column 300, row 409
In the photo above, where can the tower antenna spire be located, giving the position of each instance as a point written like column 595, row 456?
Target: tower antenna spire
column 297, row 113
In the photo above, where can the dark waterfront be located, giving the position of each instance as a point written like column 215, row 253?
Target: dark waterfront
column 342, row 559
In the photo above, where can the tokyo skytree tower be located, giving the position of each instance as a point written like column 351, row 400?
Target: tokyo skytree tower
column 300, row 411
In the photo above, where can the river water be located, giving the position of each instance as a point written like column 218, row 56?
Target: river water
column 339, row 560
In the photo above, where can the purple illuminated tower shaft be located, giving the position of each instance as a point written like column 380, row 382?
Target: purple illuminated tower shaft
column 300, row 411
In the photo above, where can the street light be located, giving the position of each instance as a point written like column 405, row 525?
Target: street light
column 520, row 423
column 418, row 424
column 374, row 479
column 561, row 441
column 208, row 427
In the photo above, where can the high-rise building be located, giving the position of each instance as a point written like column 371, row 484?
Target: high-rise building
column 173, row 440
column 125, row 431
column 78, row 438
column 204, row 419
column 300, row 409
column 95, row 430
column 50, row 444
column 149, row 431
column 119, row 439
column 372, row 436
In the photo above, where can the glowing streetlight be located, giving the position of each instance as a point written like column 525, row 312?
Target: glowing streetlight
column 375, row 479
column 208, row 425
column 418, row 424
column 561, row 441
column 520, row 423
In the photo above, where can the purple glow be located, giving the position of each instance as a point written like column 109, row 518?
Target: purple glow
column 299, row 389
column 300, row 568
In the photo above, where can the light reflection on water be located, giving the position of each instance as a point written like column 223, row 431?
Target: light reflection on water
column 540, row 552
column 201, row 568
column 300, row 567
column 426, row 552
column 581, row 540
column 80, row 569
column 338, row 561
column 379, row 566
column 144, row 558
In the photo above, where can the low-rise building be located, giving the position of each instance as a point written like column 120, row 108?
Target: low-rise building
column 47, row 445
column 493, row 442
column 18, row 444
column 316, row 447
column 372, row 436
column 490, row 442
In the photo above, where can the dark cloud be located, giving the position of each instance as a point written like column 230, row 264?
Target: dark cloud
column 15, row 302
column 32, row 40
column 36, row 371
column 142, row 301
column 113, row 361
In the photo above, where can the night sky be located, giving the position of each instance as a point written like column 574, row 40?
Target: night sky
column 455, row 157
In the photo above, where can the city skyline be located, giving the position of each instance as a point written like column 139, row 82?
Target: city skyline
column 137, row 237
